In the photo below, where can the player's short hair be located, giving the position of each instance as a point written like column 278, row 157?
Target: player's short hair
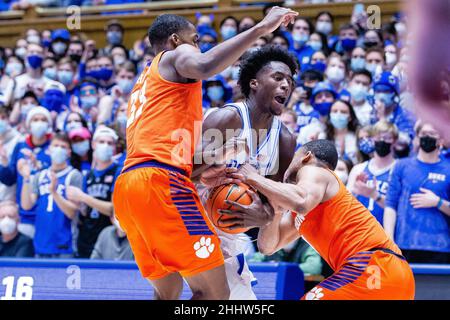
column 324, row 151
column 258, row 59
column 385, row 126
column 164, row 26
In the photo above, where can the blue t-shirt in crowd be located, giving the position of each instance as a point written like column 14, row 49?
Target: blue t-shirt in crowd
column 304, row 118
column 9, row 175
column 404, row 120
column 382, row 177
column 53, row 227
column 420, row 229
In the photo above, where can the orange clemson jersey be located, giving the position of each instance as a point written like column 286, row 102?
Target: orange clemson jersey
column 164, row 120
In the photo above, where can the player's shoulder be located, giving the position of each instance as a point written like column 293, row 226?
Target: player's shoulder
column 227, row 117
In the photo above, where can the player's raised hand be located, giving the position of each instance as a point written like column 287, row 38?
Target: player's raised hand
column 277, row 16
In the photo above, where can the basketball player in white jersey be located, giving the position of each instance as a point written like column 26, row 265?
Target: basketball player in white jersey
column 266, row 80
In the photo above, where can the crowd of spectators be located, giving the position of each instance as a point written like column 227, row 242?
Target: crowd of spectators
column 63, row 116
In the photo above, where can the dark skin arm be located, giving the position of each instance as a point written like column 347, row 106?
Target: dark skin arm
column 251, row 215
column 187, row 62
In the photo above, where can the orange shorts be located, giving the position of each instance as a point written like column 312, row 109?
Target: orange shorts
column 165, row 223
column 368, row 275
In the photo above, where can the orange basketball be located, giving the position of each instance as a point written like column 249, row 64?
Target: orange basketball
column 216, row 201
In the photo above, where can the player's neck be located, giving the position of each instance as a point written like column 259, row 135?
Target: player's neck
column 259, row 119
column 383, row 162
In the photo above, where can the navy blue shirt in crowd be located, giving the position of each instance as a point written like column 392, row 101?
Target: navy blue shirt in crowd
column 420, row 229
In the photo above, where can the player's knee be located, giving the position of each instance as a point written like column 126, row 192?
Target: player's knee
column 168, row 295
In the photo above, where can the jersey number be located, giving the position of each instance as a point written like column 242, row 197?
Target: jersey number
column 24, row 288
column 137, row 101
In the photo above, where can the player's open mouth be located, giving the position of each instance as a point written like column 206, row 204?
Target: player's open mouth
column 280, row 99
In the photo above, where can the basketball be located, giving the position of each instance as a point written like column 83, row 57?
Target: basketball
column 216, row 201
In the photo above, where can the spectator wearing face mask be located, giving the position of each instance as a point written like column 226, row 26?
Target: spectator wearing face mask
column 49, row 67
column 119, row 55
column 324, row 25
column 348, row 36
column 336, row 72
column 375, row 61
column 6, row 82
column 104, row 73
column 75, row 51
column 366, row 146
column 343, row 168
column 34, row 150
column 54, row 101
column 14, row 66
column 359, row 86
column 46, row 192
column 322, row 98
column 216, row 92
column 386, row 91
column 301, row 30
column 318, row 42
column 289, row 119
column 246, row 23
column 73, row 120
column 112, row 244
column 341, row 128
column 80, row 139
column 391, row 56
column 60, row 42
column 9, row 137
column 66, row 74
column 228, row 27
column 20, row 111
column 120, row 126
column 207, row 39
column 108, row 104
column 417, row 203
column 318, row 62
column 358, row 59
column 280, row 39
column 33, row 79
column 300, row 101
column 114, row 36
column 369, row 181
column 373, row 38
column 97, row 191
column 13, row 243
column 87, row 102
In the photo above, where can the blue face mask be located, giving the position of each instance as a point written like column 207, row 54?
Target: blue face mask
column 319, row 66
column 316, row 45
column 339, row 120
column 46, row 43
column 58, row 155
column 206, row 46
column 81, row 148
column 125, row 85
column 103, row 152
column 348, row 44
column 104, row 74
column 50, row 73
column 114, row 37
column 386, row 98
column 122, row 120
column 358, row 92
column 38, row 129
column 323, row 108
column 35, row 61
column 65, row 77
column 88, row 102
column 300, row 38
column 228, row 32
column 215, row 93
column 53, row 100
column 358, row 63
column 4, row 126
column 366, row 146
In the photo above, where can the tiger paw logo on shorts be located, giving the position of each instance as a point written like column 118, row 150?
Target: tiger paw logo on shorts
column 315, row 294
column 204, row 248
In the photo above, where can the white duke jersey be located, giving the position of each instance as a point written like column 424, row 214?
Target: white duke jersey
column 264, row 157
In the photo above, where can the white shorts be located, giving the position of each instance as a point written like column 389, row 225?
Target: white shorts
column 240, row 278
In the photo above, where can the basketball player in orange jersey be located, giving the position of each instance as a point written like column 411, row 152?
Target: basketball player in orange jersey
column 367, row 263
column 266, row 80
column 154, row 199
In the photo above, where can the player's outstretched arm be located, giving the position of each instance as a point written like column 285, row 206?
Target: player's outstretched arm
column 191, row 64
column 301, row 197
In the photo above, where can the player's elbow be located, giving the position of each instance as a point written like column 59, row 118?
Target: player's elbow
column 265, row 249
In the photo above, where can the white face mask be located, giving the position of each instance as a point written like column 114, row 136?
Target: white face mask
column 391, row 58
column 7, row 225
column 335, row 74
